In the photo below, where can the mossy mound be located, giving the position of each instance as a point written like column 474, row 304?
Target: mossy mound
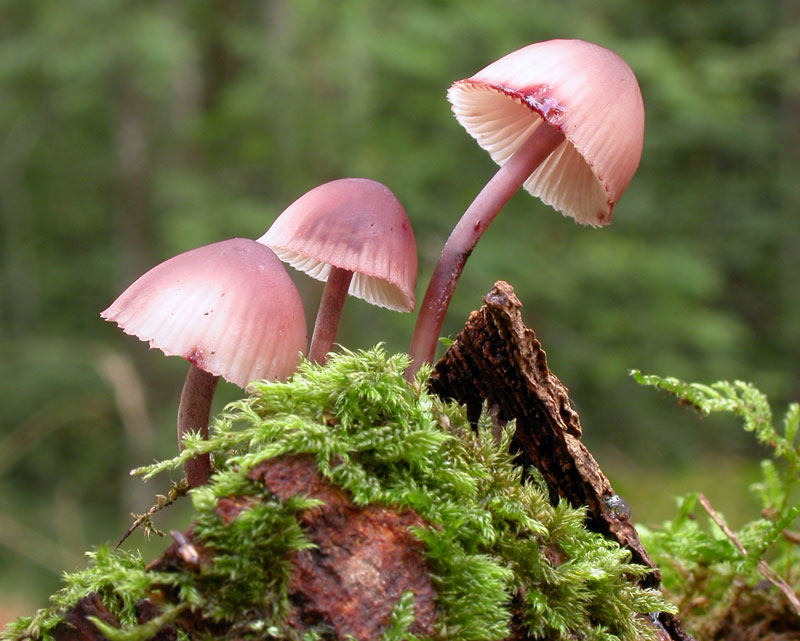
column 422, row 495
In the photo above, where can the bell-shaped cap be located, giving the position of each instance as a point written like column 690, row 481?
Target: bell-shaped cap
column 355, row 224
column 586, row 91
column 230, row 308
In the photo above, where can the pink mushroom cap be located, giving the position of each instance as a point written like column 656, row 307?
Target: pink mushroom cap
column 230, row 308
column 586, row 91
column 355, row 224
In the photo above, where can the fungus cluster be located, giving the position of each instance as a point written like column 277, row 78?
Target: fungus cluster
column 564, row 119
column 232, row 310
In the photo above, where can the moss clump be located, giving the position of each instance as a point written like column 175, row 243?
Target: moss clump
column 741, row 583
column 500, row 555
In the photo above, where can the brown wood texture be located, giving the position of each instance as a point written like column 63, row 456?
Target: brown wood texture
column 497, row 361
column 364, row 558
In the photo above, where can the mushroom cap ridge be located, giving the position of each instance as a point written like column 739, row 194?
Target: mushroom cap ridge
column 586, row 91
column 230, row 308
column 355, row 224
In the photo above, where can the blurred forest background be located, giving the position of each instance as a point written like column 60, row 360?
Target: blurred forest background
column 131, row 131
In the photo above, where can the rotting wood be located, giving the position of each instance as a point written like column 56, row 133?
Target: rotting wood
column 497, row 361
column 365, row 556
column 77, row 625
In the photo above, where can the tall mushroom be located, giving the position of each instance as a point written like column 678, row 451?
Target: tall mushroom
column 564, row 119
column 353, row 234
column 230, row 309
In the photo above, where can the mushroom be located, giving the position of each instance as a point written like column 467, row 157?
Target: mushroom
column 353, row 234
column 564, row 119
column 231, row 310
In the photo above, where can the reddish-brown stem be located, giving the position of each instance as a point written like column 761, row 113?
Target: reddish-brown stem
column 329, row 313
column 497, row 192
column 193, row 413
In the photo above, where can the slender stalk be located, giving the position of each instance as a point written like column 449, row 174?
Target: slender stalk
column 465, row 236
column 329, row 313
column 193, row 413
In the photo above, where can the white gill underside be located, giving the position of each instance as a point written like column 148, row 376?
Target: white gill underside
column 373, row 290
column 501, row 124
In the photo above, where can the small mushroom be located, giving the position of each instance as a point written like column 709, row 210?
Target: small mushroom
column 564, row 119
column 231, row 310
column 353, row 234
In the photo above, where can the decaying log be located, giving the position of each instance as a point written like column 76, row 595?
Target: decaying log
column 364, row 560
column 365, row 557
column 78, row 622
column 496, row 360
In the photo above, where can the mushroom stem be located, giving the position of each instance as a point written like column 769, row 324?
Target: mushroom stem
column 193, row 413
column 497, row 192
column 329, row 313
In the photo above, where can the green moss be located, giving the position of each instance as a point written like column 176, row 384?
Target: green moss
column 496, row 544
column 709, row 572
column 118, row 577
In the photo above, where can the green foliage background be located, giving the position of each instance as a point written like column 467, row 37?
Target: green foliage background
column 131, row 131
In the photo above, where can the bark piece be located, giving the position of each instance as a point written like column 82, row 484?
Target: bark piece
column 364, row 560
column 497, row 360
column 76, row 625
column 146, row 611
